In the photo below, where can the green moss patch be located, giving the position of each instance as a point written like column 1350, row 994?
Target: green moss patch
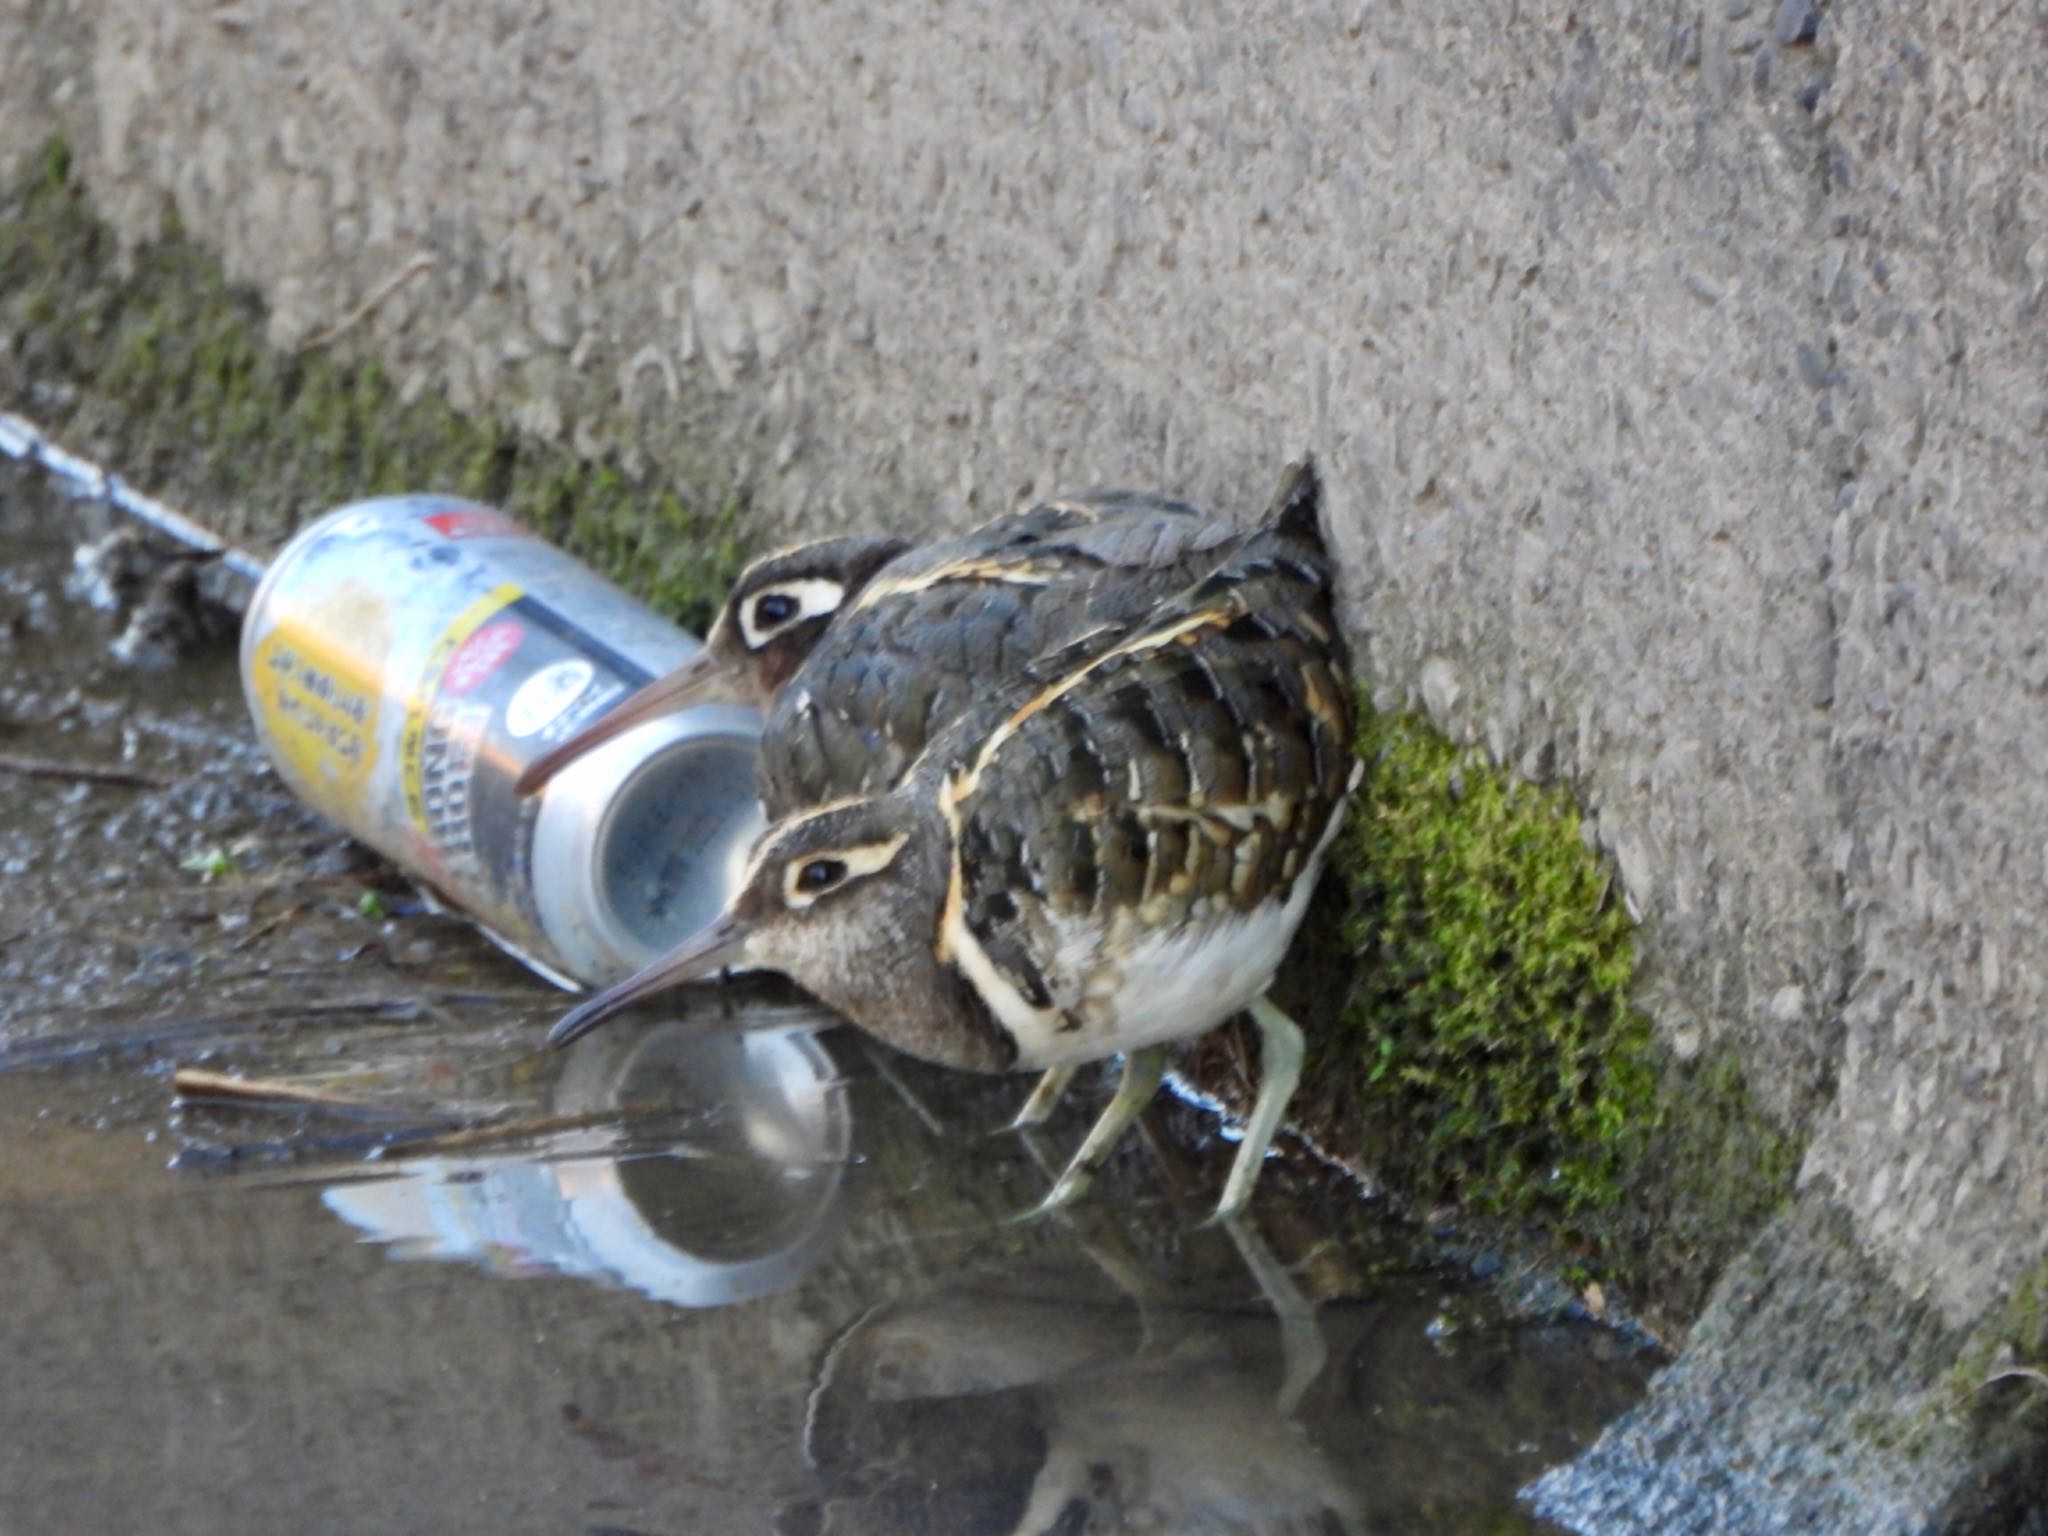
column 1483, row 1051
column 151, row 358
column 1712, row 1171
column 1490, row 1017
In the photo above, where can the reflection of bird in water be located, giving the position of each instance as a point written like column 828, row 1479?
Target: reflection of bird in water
column 159, row 597
column 1111, row 855
column 175, row 618
column 965, row 1412
column 1302, row 1350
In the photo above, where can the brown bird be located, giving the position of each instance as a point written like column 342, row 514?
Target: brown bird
column 861, row 649
column 1111, row 854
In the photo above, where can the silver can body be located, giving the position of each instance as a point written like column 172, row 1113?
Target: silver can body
column 405, row 658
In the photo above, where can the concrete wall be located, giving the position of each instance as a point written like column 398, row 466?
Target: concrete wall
column 1679, row 371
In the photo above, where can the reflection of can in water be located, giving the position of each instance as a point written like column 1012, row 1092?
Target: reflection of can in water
column 405, row 658
column 752, row 1203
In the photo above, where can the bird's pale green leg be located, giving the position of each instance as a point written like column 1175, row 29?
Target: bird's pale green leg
column 1142, row 1071
column 1044, row 1098
column 1280, row 1052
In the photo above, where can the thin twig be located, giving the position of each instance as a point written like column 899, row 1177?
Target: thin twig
column 269, row 926
column 523, row 1130
column 125, row 1037
column 202, row 1085
column 83, row 773
column 424, row 1138
column 445, row 1017
column 886, row 1071
column 405, row 1009
column 291, row 1150
column 534, row 998
column 424, row 262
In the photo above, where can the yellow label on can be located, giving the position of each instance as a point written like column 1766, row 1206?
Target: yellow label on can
column 436, row 752
column 319, row 701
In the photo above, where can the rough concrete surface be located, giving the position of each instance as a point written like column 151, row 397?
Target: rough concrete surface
column 1679, row 373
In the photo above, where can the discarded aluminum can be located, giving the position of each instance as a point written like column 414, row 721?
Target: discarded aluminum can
column 405, row 658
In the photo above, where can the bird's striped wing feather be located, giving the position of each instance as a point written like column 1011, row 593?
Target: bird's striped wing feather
column 1176, row 782
column 944, row 627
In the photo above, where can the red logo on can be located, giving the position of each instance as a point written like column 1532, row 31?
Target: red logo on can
column 481, row 655
column 474, row 523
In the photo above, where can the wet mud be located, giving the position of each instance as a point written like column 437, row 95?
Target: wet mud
column 727, row 1269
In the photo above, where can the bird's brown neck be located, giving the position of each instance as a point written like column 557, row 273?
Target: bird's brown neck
column 927, row 1010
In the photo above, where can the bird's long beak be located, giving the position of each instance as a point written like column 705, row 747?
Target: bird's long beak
column 721, row 947
column 700, row 680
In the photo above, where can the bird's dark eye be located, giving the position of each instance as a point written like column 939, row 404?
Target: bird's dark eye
column 774, row 609
column 821, row 874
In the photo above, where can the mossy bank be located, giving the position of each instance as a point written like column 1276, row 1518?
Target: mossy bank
column 152, row 357
column 1467, row 977
column 1479, row 1048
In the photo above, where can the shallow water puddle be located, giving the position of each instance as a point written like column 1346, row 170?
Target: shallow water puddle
column 748, row 1287
column 728, row 1272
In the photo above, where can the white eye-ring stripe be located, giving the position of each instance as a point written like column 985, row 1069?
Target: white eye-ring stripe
column 864, row 860
column 813, row 596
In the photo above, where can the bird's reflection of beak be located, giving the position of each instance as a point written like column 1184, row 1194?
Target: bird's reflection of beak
column 721, row 947
column 700, row 680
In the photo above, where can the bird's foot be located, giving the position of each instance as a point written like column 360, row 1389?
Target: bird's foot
column 1072, row 1185
column 1045, row 1098
column 1142, row 1071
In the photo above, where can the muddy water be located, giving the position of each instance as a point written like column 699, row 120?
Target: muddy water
column 730, row 1270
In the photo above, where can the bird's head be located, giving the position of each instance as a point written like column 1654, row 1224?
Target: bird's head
column 772, row 619
column 844, row 901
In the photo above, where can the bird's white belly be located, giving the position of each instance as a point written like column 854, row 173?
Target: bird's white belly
column 1168, row 985
column 1173, row 986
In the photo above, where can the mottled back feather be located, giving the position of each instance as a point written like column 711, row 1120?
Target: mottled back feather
column 1175, row 775
column 944, row 627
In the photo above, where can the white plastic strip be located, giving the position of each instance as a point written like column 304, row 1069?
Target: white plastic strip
column 21, row 438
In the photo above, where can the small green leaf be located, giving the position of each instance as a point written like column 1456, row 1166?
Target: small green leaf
column 209, row 864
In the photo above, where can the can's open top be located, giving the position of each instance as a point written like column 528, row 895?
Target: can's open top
column 639, row 844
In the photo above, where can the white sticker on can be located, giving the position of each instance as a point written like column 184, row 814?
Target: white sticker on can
column 355, row 524
column 545, row 695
